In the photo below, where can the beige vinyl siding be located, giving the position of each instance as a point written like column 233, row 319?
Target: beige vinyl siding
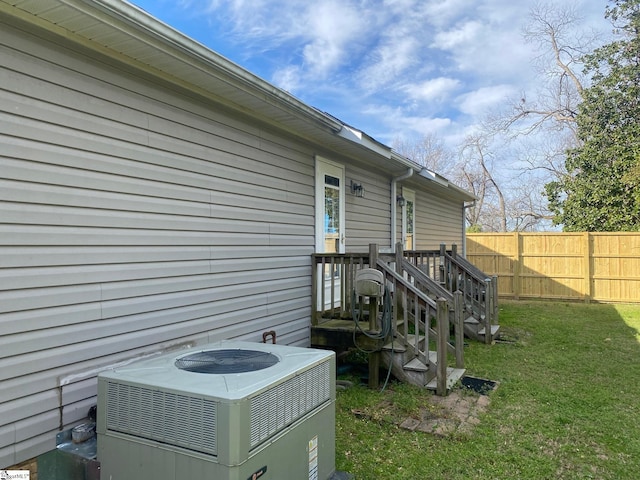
column 133, row 218
column 438, row 220
column 368, row 217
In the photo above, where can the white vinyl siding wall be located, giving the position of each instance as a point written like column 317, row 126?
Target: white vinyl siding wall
column 132, row 218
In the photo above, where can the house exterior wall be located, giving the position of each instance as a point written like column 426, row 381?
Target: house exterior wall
column 134, row 219
column 368, row 218
column 137, row 216
column 438, row 220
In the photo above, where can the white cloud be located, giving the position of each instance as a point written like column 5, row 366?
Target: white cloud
column 332, row 28
column 388, row 63
column 288, row 78
column 388, row 67
column 482, row 100
column 443, row 12
column 461, row 35
column 435, row 89
column 320, row 35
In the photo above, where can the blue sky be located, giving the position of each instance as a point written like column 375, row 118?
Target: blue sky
column 395, row 69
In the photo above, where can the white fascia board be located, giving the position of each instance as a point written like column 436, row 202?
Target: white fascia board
column 128, row 21
column 442, row 182
column 192, row 48
column 406, row 162
column 356, row 136
column 434, row 177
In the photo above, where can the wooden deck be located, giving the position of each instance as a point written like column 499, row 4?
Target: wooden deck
column 438, row 310
column 343, row 335
column 339, row 334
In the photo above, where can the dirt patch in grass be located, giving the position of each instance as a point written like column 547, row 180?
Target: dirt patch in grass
column 457, row 413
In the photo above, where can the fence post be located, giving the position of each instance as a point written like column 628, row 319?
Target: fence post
column 458, row 315
column 442, row 326
column 587, row 267
column 517, row 271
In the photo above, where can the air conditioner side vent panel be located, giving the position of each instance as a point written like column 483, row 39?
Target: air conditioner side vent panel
column 283, row 404
column 165, row 417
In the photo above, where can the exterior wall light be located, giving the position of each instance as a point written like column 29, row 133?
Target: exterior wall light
column 401, row 201
column 357, row 189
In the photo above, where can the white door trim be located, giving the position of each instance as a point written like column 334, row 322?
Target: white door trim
column 324, row 168
column 409, row 197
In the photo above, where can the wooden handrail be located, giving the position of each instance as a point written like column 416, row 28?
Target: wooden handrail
column 453, row 272
column 424, row 280
column 413, row 292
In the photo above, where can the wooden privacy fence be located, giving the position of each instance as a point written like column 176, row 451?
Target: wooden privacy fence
column 602, row 267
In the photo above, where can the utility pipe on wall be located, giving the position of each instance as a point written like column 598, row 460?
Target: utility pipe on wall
column 394, row 206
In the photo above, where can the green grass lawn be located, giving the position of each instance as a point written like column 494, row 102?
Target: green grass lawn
column 567, row 405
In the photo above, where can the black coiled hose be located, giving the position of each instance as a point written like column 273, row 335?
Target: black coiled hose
column 385, row 326
column 385, row 321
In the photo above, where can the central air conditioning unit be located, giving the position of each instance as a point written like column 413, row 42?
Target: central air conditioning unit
column 225, row 411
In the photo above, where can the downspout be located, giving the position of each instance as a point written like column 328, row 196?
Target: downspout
column 394, row 208
column 464, row 226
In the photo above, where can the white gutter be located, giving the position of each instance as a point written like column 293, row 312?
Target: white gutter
column 201, row 56
column 394, row 208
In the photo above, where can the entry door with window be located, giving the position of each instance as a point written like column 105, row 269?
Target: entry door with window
column 408, row 219
column 329, row 207
column 329, row 228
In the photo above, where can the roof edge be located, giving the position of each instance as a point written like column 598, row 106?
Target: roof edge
column 141, row 23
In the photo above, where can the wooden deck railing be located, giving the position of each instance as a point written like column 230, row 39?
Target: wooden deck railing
column 452, row 272
column 332, row 282
column 423, row 316
column 423, row 310
column 480, row 291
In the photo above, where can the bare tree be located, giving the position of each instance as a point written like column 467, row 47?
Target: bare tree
column 541, row 126
column 526, row 207
column 519, row 149
column 476, row 173
column 429, row 152
column 554, row 30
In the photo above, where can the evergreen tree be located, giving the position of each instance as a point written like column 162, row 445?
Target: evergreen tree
column 601, row 191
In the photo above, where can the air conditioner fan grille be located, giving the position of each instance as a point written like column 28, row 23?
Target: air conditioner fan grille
column 226, row 361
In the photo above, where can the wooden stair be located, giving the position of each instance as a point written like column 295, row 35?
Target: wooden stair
column 407, row 367
column 476, row 329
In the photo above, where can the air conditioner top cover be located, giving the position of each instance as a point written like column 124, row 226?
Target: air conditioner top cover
column 227, row 370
